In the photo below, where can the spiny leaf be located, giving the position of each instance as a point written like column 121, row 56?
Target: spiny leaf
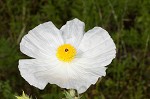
column 24, row 96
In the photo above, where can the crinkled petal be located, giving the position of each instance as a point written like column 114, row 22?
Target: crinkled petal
column 83, row 77
column 29, row 67
column 42, row 41
column 39, row 72
column 97, row 45
column 73, row 32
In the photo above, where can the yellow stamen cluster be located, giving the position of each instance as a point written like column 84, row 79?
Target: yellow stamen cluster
column 66, row 53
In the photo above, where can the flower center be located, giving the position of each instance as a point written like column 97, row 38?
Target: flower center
column 66, row 53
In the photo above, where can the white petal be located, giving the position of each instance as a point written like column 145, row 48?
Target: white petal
column 84, row 77
column 40, row 72
column 42, row 41
column 73, row 32
column 97, row 46
column 28, row 68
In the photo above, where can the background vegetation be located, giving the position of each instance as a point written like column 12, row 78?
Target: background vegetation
column 128, row 22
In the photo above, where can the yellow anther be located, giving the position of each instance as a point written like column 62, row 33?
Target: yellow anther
column 66, row 53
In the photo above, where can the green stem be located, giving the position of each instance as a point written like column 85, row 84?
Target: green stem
column 71, row 94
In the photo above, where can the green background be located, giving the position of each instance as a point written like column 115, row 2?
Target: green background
column 127, row 21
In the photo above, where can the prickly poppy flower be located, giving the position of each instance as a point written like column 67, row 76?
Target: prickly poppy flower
column 69, row 57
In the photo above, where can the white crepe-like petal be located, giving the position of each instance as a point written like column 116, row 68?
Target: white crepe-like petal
column 39, row 72
column 28, row 68
column 73, row 32
column 97, row 47
column 97, row 44
column 42, row 41
column 84, row 76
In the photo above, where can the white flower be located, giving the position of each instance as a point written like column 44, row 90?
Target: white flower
column 66, row 57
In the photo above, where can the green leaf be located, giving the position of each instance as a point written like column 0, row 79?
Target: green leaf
column 23, row 96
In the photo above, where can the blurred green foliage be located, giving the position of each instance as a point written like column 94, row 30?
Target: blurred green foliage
column 127, row 21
